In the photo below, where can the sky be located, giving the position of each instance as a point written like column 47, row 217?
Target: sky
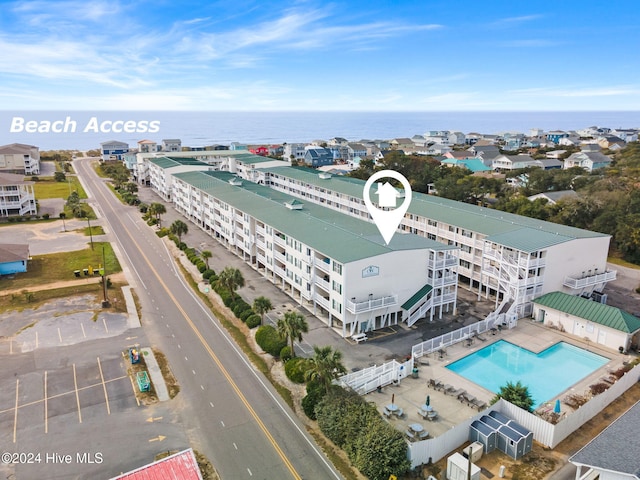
column 375, row 55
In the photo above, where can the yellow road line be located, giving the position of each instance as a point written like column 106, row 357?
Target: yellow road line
column 216, row 360
column 75, row 384
column 15, row 415
column 104, row 387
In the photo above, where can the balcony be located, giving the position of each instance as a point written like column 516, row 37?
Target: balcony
column 279, row 241
column 320, row 300
column 322, row 265
column 444, row 263
column 371, row 304
column 323, row 283
column 589, row 281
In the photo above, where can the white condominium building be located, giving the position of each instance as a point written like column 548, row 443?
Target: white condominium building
column 335, row 265
column 20, row 158
column 16, row 196
column 517, row 257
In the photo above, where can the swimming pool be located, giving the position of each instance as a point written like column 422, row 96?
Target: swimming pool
column 547, row 373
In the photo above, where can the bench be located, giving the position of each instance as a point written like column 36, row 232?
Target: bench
column 359, row 337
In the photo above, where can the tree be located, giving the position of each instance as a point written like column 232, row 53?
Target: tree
column 59, row 177
column 291, row 327
column 179, row 228
column 262, row 305
column 231, row 279
column 131, row 187
column 157, row 209
column 381, row 451
column 325, row 366
column 73, row 204
column 517, row 394
column 206, row 255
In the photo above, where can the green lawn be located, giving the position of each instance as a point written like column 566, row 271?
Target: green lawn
column 52, row 189
column 54, row 267
column 622, row 263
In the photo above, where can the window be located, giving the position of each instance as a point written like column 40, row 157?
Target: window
column 336, row 287
column 432, row 223
column 465, row 264
column 337, row 268
column 431, row 236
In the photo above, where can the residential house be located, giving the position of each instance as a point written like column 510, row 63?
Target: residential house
column 513, row 162
column 20, row 158
column 475, row 165
column 457, row 138
column 553, row 197
column 13, row 258
column 608, row 141
column 171, row 145
column 437, row 136
column 613, row 453
column 113, row 150
column 147, row 146
column 434, row 149
column 338, row 141
column 536, row 132
column 486, row 152
column 293, row 151
column 259, row 150
column 238, row 146
column 276, row 150
column 556, row 135
column 626, row 134
column 590, row 161
column 318, row 156
column 557, row 154
column 570, row 141
column 460, row 154
column 404, row 144
column 549, row 163
column 355, row 150
column 419, row 140
column 17, row 196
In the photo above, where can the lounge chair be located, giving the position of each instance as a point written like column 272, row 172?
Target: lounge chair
column 466, row 398
column 399, row 413
column 479, row 404
column 410, row 434
column 386, row 412
column 457, row 393
column 423, row 434
column 447, row 389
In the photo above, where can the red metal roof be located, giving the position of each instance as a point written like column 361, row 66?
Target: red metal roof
column 179, row 466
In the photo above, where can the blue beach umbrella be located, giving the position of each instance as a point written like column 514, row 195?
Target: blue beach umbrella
column 556, row 409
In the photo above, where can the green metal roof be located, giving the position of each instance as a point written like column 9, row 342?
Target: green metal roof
column 606, row 315
column 169, row 162
column 416, row 297
column 250, row 158
column 338, row 236
column 483, row 220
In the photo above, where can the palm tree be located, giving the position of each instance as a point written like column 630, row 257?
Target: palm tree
column 179, row 228
column 262, row 305
column 231, row 279
column 206, row 255
column 325, row 366
column 291, row 327
column 157, row 209
column 517, row 394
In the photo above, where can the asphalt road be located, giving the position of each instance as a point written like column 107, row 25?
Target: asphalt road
column 232, row 414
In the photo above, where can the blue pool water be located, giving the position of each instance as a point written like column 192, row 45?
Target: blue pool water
column 546, row 374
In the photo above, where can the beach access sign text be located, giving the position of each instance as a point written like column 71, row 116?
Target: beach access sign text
column 93, row 125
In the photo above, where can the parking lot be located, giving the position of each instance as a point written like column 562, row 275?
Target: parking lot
column 50, row 400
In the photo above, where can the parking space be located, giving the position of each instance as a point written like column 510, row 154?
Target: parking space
column 50, row 401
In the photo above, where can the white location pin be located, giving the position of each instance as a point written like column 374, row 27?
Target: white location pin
column 387, row 221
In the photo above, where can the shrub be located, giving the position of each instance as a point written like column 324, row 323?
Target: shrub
column 269, row 340
column 181, row 245
column 253, row 321
column 294, row 368
column 226, row 297
column 190, row 252
column 285, row 354
column 207, row 274
column 240, row 307
column 152, row 221
column 45, row 216
column 163, row 232
column 246, row 314
column 598, row 388
column 201, row 266
column 315, row 392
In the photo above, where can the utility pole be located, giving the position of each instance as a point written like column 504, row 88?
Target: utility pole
column 90, row 232
column 105, row 302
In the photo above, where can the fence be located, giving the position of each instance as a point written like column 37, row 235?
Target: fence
column 368, row 379
column 551, row 435
column 451, row 338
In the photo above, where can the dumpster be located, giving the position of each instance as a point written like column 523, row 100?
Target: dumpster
column 76, row 273
column 86, row 272
column 143, row 381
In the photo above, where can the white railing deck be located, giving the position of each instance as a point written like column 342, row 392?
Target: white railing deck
column 372, row 304
column 576, row 283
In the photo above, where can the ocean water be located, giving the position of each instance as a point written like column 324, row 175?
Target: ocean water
column 86, row 130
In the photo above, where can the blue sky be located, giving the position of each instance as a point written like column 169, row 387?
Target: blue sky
column 313, row 55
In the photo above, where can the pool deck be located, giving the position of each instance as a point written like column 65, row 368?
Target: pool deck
column 411, row 393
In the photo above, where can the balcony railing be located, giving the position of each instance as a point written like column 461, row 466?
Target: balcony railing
column 320, row 300
column 371, row 304
column 444, row 263
column 323, row 283
column 589, row 281
column 322, row 265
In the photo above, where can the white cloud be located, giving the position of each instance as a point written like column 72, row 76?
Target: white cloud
column 609, row 91
column 512, row 21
